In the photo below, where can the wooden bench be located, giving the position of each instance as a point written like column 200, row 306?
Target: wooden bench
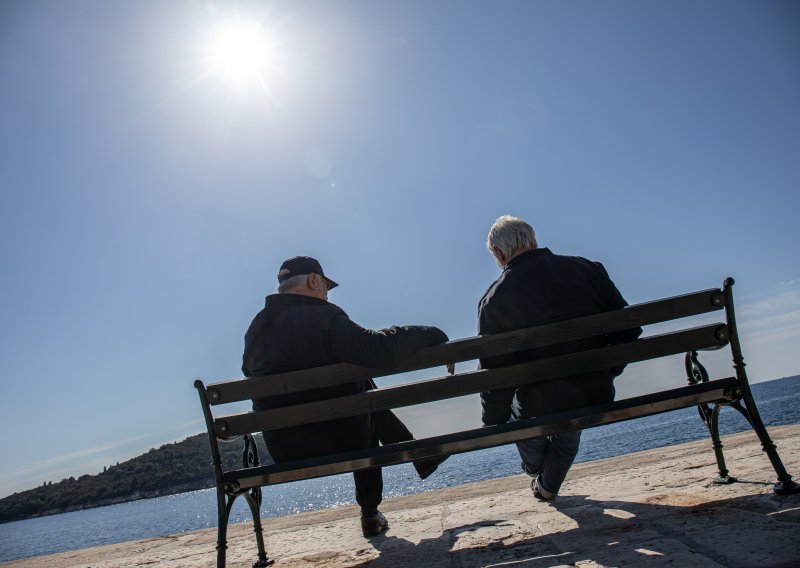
column 731, row 391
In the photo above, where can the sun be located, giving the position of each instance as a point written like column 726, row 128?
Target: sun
column 238, row 53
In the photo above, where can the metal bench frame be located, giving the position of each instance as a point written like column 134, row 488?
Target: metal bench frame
column 708, row 395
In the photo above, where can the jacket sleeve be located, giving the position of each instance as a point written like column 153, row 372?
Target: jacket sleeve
column 615, row 301
column 351, row 343
column 489, row 323
column 496, row 406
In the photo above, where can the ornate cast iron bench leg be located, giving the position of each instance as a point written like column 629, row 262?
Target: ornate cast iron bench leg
column 224, row 505
column 253, row 498
column 785, row 485
column 696, row 373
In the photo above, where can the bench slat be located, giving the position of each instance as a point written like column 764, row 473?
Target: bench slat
column 708, row 336
column 481, row 438
column 478, row 347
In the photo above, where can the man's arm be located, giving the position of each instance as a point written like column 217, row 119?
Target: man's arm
column 351, row 343
column 496, row 406
column 615, row 301
column 490, row 321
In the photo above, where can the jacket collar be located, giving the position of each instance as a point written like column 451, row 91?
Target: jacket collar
column 293, row 299
column 528, row 255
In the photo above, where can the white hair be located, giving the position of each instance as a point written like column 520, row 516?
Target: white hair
column 509, row 234
column 292, row 283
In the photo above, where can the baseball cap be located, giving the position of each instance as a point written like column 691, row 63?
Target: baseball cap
column 298, row 265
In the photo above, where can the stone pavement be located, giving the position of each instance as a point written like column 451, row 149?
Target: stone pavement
column 653, row 508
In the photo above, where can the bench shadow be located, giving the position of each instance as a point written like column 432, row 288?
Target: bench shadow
column 670, row 529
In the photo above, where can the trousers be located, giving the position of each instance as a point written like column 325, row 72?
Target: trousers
column 550, row 457
column 320, row 439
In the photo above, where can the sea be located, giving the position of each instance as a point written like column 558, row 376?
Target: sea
column 778, row 402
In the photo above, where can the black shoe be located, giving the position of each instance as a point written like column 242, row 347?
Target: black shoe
column 426, row 467
column 373, row 524
column 540, row 492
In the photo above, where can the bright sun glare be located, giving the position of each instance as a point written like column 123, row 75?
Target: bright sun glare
column 238, row 54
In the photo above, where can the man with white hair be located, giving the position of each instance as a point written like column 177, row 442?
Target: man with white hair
column 299, row 329
column 538, row 287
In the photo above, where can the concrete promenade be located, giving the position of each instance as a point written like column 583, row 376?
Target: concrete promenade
column 651, row 508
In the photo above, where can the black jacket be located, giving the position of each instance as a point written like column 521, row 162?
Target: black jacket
column 539, row 287
column 299, row 332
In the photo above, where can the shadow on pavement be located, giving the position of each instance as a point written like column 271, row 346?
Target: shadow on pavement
column 677, row 529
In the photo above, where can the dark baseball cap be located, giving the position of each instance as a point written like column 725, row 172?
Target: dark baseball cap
column 298, row 265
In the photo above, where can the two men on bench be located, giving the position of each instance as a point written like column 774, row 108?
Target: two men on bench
column 298, row 329
column 538, row 287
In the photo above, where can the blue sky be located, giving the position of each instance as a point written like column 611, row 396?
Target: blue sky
column 147, row 201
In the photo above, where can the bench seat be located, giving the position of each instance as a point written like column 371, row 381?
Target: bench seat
column 717, row 391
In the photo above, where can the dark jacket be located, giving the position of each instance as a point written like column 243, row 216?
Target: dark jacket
column 539, row 287
column 299, row 332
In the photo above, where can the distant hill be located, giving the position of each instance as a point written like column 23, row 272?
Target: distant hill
column 172, row 468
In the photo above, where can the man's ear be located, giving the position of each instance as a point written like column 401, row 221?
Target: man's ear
column 314, row 280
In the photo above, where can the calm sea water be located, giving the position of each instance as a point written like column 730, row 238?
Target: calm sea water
column 778, row 401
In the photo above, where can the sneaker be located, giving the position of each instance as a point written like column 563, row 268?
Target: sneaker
column 373, row 524
column 426, row 467
column 541, row 493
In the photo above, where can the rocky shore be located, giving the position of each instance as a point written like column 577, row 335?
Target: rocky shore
column 653, row 508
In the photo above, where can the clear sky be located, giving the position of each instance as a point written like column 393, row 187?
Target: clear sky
column 151, row 185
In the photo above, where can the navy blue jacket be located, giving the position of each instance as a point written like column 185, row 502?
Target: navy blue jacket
column 539, row 287
column 299, row 332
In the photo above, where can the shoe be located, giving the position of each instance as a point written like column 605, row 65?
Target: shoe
column 426, row 467
column 540, row 493
column 373, row 524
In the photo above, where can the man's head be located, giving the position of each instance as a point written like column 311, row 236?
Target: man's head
column 304, row 275
column 508, row 237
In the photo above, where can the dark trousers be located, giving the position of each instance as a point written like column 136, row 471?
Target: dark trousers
column 387, row 428
column 333, row 437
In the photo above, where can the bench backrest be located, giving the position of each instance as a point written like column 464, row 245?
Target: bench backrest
column 682, row 340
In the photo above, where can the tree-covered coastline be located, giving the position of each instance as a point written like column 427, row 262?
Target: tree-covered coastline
column 173, row 468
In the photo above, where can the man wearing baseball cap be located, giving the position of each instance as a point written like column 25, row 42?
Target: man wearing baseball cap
column 299, row 329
